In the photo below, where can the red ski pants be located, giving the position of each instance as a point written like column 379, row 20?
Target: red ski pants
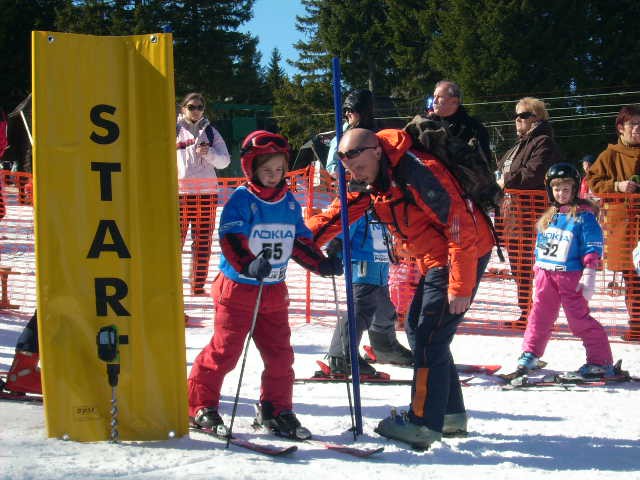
column 272, row 336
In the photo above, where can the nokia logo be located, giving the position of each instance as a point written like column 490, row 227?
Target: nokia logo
column 272, row 234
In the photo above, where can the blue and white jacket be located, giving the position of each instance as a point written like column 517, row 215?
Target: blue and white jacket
column 369, row 254
column 563, row 245
column 272, row 226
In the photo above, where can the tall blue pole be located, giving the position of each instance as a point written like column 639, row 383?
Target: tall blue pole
column 346, row 252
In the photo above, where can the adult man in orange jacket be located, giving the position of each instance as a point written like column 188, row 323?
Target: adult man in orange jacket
column 422, row 206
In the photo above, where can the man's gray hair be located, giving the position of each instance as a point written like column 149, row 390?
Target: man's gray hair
column 452, row 87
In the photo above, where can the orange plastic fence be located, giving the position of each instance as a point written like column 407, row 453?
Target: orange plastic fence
column 500, row 304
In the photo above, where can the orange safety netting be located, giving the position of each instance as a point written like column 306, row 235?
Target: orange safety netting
column 500, row 306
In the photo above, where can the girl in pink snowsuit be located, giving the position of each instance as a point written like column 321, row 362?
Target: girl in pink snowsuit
column 568, row 250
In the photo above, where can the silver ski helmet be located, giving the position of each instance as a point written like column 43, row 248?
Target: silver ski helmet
column 565, row 171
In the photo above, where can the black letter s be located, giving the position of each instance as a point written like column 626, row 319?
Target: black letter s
column 113, row 131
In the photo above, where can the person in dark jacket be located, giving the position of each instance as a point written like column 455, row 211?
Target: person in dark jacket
column 357, row 110
column 448, row 109
column 523, row 167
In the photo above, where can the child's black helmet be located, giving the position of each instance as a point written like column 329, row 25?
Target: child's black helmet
column 561, row 170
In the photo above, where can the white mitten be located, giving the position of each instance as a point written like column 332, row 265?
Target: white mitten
column 587, row 283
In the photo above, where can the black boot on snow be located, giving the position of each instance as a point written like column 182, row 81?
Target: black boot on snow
column 342, row 366
column 210, row 419
column 285, row 424
column 389, row 350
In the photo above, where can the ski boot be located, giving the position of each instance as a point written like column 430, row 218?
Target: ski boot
column 590, row 371
column 24, row 374
column 387, row 349
column 285, row 424
column 341, row 366
column 528, row 361
column 399, row 427
column 209, row 419
column 455, row 425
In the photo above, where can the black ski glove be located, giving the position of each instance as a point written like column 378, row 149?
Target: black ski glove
column 332, row 265
column 334, row 248
column 259, row 268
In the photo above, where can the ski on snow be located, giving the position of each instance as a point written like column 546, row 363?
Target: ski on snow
column 20, row 397
column 324, row 375
column 336, row 447
column 306, row 438
column 566, row 380
column 371, row 357
column 271, row 450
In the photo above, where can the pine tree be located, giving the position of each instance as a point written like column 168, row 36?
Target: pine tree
column 355, row 31
column 275, row 75
column 314, row 61
column 17, row 20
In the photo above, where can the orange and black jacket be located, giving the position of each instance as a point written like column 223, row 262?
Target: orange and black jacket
column 421, row 203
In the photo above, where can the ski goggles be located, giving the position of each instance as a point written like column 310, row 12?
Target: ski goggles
column 265, row 141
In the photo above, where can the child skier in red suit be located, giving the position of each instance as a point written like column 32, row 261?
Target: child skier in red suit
column 261, row 227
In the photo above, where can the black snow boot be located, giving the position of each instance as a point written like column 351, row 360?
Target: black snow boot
column 210, row 419
column 285, row 424
column 342, row 366
column 389, row 350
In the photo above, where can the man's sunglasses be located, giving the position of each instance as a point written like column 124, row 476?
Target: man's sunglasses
column 191, row 108
column 354, row 153
column 524, row 115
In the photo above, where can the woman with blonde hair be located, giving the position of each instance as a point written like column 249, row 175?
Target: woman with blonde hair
column 523, row 168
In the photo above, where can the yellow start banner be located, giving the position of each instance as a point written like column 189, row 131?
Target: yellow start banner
column 110, row 313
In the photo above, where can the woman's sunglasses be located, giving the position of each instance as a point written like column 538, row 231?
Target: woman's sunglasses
column 191, row 107
column 524, row 115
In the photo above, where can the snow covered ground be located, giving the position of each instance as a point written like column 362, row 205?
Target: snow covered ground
column 581, row 434
column 584, row 433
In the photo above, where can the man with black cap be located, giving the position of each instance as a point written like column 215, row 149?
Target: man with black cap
column 374, row 310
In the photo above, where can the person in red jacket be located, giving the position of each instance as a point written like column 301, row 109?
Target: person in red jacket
column 421, row 204
column 261, row 228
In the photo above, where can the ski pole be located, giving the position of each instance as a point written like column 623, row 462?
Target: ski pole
column 346, row 380
column 244, row 360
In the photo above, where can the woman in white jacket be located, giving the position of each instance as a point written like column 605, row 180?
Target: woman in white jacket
column 200, row 150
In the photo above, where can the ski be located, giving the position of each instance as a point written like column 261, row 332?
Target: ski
column 477, row 369
column 271, row 450
column 370, row 356
column 20, row 397
column 324, row 375
column 321, row 378
column 347, row 449
column 524, row 382
column 336, row 447
column 570, row 379
column 519, row 372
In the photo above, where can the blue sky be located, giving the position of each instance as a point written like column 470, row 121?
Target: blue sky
column 274, row 24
